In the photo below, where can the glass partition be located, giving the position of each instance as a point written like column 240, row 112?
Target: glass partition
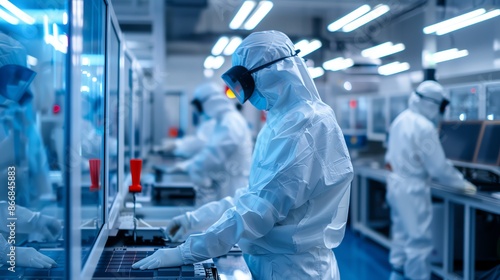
column 128, row 128
column 137, row 113
column 114, row 85
column 379, row 115
column 493, row 102
column 464, row 103
column 361, row 113
column 92, row 122
column 33, row 93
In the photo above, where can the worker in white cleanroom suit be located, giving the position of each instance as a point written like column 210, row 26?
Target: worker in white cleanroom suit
column 223, row 165
column 294, row 210
column 414, row 155
column 20, row 140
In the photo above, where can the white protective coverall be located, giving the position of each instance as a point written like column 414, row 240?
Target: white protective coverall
column 415, row 155
column 294, row 210
column 190, row 145
column 20, row 141
column 223, row 165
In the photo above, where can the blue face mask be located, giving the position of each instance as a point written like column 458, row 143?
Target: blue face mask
column 258, row 100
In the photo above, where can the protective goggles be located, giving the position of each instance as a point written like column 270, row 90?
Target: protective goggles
column 14, row 83
column 442, row 103
column 239, row 79
column 197, row 104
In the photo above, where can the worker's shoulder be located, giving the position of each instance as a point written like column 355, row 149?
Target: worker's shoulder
column 412, row 119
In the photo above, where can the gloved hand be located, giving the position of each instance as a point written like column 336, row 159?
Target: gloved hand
column 177, row 228
column 179, row 167
column 169, row 146
column 161, row 258
column 49, row 227
column 29, row 257
column 45, row 228
column 469, row 188
column 166, row 146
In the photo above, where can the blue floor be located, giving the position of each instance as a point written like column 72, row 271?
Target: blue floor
column 360, row 258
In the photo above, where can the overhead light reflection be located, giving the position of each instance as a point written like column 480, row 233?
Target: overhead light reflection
column 338, row 24
column 17, row 12
column 242, row 14
column 262, row 10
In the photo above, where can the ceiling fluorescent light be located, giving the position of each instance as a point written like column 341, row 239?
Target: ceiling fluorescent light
column 260, row 12
column 242, row 14
column 209, row 62
column 213, row 62
column 338, row 63
column 217, row 62
column 17, row 12
column 450, row 22
column 233, row 44
column 483, row 17
column 382, row 50
column 449, row 55
column 393, row 68
column 375, row 13
column 315, row 72
column 31, row 60
column 220, row 45
column 307, row 47
column 8, row 18
column 336, row 25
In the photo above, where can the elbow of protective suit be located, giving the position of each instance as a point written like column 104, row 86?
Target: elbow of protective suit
column 206, row 215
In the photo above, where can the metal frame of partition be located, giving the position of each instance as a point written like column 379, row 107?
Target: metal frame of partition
column 73, row 175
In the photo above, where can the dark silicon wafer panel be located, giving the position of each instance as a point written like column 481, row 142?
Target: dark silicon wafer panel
column 36, row 273
column 118, row 264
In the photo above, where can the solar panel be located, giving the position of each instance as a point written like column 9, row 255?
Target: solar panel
column 117, row 263
column 58, row 255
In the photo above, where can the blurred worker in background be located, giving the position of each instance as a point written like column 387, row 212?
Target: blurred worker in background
column 415, row 155
column 294, row 210
column 190, row 145
column 223, row 163
column 20, row 140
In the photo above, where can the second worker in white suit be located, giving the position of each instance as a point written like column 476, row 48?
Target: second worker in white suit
column 415, row 155
column 223, row 165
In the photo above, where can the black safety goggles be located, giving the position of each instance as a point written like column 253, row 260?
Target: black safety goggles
column 442, row 103
column 239, row 79
column 15, row 82
column 197, row 105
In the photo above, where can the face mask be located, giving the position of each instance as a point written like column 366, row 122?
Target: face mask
column 258, row 100
column 198, row 106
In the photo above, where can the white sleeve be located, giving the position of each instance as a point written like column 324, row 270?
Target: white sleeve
column 25, row 218
column 206, row 215
column 437, row 166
